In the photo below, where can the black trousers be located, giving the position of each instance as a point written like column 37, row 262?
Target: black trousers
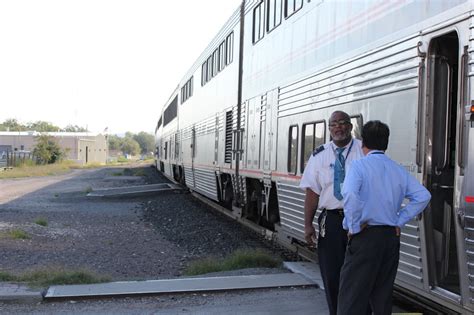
column 331, row 252
column 369, row 271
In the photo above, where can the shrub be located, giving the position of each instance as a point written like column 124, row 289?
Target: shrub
column 47, row 150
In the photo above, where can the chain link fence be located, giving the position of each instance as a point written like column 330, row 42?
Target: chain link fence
column 16, row 158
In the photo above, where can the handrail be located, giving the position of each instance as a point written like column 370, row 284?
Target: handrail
column 460, row 146
column 446, row 134
column 421, row 89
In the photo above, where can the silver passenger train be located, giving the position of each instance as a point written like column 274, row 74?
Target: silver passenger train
column 244, row 119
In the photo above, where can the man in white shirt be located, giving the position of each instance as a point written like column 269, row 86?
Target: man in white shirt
column 322, row 179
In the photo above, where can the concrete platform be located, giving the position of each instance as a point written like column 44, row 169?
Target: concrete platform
column 133, row 190
column 180, row 285
column 309, row 270
column 19, row 293
column 304, row 274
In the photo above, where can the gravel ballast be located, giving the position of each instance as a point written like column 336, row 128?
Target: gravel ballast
column 133, row 238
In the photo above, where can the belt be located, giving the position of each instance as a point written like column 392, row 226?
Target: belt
column 335, row 211
column 380, row 227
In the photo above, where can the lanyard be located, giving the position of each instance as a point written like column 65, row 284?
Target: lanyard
column 348, row 151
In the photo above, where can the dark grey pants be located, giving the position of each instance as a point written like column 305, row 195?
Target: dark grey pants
column 331, row 251
column 369, row 271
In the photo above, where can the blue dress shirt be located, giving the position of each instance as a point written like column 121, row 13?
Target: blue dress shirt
column 374, row 189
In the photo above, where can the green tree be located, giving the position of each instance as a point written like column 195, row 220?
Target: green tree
column 114, row 141
column 42, row 126
column 12, row 124
column 130, row 146
column 74, row 128
column 47, row 150
column 146, row 142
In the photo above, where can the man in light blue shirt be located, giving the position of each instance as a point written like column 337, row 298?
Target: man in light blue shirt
column 373, row 192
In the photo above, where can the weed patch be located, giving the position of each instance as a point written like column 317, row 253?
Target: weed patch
column 139, row 172
column 42, row 221
column 240, row 259
column 48, row 276
column 52, row 276
column 16, row 234
column 5, row 276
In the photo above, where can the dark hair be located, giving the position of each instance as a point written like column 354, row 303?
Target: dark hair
column 375, row 135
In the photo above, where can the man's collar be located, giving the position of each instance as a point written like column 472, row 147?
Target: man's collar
column 334, row 146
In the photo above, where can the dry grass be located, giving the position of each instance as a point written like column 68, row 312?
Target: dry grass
column 37, row 170
column 44, row 170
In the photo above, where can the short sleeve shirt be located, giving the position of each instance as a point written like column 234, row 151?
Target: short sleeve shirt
column 319, row 172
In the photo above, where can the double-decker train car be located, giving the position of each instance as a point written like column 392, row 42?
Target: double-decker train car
column 241, row 124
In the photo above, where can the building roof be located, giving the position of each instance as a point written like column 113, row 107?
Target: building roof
column 53, row 134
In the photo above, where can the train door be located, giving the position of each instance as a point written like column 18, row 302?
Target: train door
column 253, row 133
column 268, row 130
column 441, row 225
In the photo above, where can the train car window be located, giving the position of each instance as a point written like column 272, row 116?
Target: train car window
column 222, row 56
column 313, row 136
column 293, row 149
column 291, row 6
column 258, row 22
column 159, row 124
column 273, row 14
column 357, row 123
column 204, row 73
column 209, row 68
column 171, row 111
column 229, row 47
column 191, row 86
column 215, row 58
column 187, row 90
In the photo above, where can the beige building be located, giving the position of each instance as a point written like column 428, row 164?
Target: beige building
column 82, row 147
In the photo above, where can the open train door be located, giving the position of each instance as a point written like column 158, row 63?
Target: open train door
column 449, row 235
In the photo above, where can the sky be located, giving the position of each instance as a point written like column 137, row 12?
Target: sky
column 102, row 63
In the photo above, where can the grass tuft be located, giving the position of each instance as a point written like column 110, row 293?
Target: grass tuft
column 41, row 221
column 16, row 234
column 240, row 259
column 122, row 159
column 139, row 172
column 49, row 276
column 5, row 276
